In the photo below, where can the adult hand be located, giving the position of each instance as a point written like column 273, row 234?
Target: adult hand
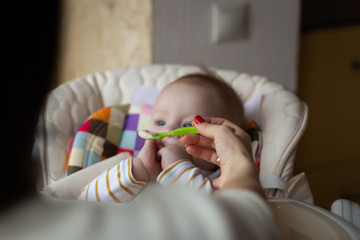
column 222, row 139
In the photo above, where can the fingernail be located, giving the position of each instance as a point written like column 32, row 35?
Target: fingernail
column 198, row 119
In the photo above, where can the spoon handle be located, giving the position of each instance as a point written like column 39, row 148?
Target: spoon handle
column 184, row 131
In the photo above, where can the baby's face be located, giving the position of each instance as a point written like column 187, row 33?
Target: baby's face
column 178, row 104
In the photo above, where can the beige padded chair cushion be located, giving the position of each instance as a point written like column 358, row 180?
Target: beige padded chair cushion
column 283, row 115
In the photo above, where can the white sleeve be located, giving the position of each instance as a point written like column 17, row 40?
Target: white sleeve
column 251, row 215
column 161, row 213
column 184, row 172
column 117, row 184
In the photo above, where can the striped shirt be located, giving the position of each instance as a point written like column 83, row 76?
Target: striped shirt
column 117, row 184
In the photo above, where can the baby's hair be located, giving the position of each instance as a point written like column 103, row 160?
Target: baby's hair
column 226, row 93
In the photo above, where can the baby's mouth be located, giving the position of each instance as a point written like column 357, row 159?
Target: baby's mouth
column 170, row 140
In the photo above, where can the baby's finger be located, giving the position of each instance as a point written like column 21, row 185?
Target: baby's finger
column 158, row 144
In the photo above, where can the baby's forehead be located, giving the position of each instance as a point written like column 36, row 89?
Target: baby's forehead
column 189, row 95
column 195, row 91
column 198, row 84
column 220, row 97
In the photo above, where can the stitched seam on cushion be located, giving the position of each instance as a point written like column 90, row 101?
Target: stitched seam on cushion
column 294, row 138
column 93, row 76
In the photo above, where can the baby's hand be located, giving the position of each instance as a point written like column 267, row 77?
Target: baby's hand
column 171, row 152
column 146, row 165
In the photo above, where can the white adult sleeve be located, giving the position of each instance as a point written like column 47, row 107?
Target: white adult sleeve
column 157, row 213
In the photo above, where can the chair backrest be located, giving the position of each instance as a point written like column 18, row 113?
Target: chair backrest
column 283, row 116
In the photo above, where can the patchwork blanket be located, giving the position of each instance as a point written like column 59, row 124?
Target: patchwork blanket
column 113, row 129
column 108, row 131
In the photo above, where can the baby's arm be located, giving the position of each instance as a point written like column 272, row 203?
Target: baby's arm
column 125, row 180
column 117, row 184
column 185, row 173
column 179, row 169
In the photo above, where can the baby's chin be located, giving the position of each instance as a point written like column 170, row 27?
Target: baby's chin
column 201, row 163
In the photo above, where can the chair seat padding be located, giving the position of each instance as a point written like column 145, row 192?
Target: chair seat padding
column 283, row 116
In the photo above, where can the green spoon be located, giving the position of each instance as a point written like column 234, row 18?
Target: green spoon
column 150, row 135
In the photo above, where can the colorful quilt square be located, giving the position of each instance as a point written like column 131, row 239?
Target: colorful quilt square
column 95, row 144
column 135, row 108
column 128, row 139
column 144, row 122
column 80, row 140
column 123, row 108
column 146, row 109
column 120, row 150
column 85, row 126
column 76, row 156
column 103, row 114
column 113, row 134
column 98, row 127
column 109, row 149
column 139, row 143
column 90, row 158
column 72, row 169
column 131, row 122
column 117, row 117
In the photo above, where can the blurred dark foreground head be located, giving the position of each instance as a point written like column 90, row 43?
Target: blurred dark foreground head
column 29, row 44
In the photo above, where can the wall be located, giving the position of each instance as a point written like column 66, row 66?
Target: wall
column 98, row 35
column 182, row 30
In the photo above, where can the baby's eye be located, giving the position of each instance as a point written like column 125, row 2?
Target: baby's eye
column 161, row 123
column 187, row 125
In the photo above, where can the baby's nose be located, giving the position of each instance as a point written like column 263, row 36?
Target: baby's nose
column 169, row 127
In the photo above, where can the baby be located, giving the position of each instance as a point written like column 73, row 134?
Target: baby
column 166, row 160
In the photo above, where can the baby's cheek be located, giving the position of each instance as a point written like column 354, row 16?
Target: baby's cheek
column 155, row 128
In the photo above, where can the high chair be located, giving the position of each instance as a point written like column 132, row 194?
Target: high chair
column 280, row 114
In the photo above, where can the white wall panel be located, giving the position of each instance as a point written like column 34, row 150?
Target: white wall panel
column 182, row 32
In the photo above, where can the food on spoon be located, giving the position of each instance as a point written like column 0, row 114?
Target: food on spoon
column 147, row 134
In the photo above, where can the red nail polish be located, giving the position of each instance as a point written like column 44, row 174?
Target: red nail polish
column 198, row 119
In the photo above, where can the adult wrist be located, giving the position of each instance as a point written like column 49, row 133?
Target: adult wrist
column 241, row 176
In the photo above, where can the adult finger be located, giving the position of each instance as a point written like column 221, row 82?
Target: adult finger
column 212, row 130
column 208, row 154
column 215, row 120
column 193, row 139
column 218, row 121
